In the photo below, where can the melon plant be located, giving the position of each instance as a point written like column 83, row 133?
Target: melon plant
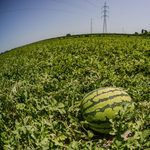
column 102, row 104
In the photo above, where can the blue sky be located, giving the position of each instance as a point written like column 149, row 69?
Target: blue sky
column 27, row 21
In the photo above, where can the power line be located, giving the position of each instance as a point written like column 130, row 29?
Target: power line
column 22, row 9
column 92, row 4
column 100, row 2
column 105, row 15
column 63, row 2
column 75, row 5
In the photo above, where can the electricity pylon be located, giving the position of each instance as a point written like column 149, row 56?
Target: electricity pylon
column 105, row 15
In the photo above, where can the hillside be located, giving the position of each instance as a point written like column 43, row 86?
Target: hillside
column 42, row 85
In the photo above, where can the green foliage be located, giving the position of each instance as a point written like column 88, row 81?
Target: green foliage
column 42, row 85
column 68, row 34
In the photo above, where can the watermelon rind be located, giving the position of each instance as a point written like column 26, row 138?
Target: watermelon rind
column 102, row 104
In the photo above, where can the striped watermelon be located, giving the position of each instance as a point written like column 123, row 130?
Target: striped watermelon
column 102, row 104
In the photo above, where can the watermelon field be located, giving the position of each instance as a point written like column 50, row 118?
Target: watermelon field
column 42, row 86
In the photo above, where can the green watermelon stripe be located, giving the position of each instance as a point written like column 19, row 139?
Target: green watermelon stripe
column 97, row 94
column 98, row 122
column 102, row 89
column 102, row 100
column 93, row 113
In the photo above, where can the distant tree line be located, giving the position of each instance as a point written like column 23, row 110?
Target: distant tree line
column 143, row 31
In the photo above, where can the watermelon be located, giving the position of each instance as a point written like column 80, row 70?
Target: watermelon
column 102, row 104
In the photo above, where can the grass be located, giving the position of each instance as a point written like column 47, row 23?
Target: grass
column 42, row 85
